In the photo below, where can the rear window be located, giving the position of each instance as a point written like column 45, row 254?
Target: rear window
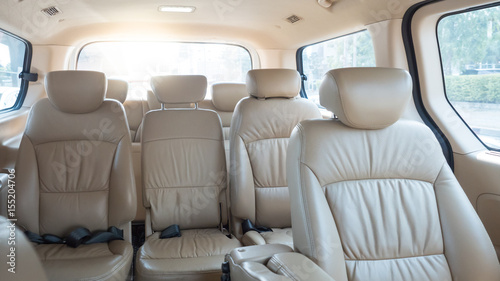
column 353, row 50
column 14, row 54
column 136, row 62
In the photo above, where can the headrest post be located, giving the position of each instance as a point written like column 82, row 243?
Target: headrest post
column 195, row 105
column 162, row 106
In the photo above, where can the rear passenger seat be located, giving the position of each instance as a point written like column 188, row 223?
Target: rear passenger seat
column 260, row 130
column 225, row 96
column 134, row 111
column 187, row 193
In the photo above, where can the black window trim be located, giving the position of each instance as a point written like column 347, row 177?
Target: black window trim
column 299, row 58
column 23, row 90
column 413, row 70
column 466, row 10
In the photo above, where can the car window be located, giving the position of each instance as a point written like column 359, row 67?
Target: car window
column 470, row 55
column 13, row 52
column 136, row 62
column 353, row 50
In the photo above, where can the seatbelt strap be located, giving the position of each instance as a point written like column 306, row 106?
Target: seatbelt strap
column 77, row 237
column 247, row 225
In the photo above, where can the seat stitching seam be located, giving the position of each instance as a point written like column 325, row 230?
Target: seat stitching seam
column 184, row 138
column 399, row 258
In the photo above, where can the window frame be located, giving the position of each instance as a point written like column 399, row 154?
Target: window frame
column 467, row 10
column 23, row 89
column 300, row 59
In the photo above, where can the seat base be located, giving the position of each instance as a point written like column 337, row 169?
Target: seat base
column 277, row 236
column 101, row 261
column 196, row 255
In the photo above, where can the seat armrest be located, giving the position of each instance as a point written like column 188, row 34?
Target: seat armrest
column 259, row 253
column 297, row 267
column 272, row 262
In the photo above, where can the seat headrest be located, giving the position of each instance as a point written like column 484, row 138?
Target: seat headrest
column 366, row 97
column 117, row 90
column 73, row 91
column 273, row 83
column 225, row 96
column 177, row 89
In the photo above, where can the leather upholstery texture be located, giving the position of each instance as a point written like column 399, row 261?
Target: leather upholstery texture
column 117, row 90
column 105, row 261
column 382, row 204
column 177, row 89
column 273, row 83
column 184, row 174
column 225, row 96
column 196, row 255
column 185, row 193
column 260, row 130
column 375, row 103
column 272, row 263
column 25, row 263
column 76, row 172
column 70, row 92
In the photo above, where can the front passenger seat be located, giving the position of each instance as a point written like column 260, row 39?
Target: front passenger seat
column 74, row 170
column 260, row 129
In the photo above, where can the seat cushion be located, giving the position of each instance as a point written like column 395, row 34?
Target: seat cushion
column 197, row 255
column 102, row 261
column 277, row 236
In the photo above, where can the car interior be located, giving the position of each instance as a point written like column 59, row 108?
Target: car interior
column 250, row 140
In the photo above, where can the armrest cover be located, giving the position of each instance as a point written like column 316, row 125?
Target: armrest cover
column 259, row 253
column 297, row 267
column 273, row 262
column 252, row 238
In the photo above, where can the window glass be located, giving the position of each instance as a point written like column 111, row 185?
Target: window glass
column 353, row 50
column 12, row 55
column 136, row 62
column 470, row 53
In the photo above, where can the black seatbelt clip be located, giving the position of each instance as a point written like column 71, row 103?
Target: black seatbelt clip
column 32, row 77
column 171, row 231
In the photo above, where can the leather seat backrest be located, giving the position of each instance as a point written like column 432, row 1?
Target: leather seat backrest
column 183, row 162
column 373, row 197
column 225, row 96
column 134, row 109
column 260, row 129
column 74, row 159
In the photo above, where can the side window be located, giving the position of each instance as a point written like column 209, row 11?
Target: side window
column 353, row 50
column 13, row 53
column 470, row 56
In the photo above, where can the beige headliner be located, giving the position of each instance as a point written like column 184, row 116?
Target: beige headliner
column 257, row 23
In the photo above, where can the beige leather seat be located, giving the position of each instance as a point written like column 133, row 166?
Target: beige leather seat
column 134, row 111
column 373, row 197
column 184, row 173
column 23, row 263
column 260, row 129
column 225, row 96
column 74, row 170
